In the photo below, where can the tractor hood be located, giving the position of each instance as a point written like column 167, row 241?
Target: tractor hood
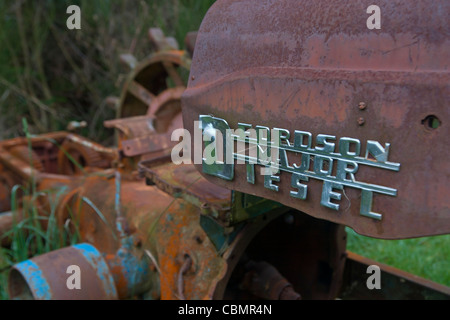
column 352, row 117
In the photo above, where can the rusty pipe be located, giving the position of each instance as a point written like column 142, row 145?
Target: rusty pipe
column 265, row 281
column 47, row 277
column 117, row 276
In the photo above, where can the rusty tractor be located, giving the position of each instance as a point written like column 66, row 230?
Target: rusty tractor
column 347, row 123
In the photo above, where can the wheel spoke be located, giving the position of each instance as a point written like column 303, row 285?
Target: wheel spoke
column 173, row 74
column 140, row 92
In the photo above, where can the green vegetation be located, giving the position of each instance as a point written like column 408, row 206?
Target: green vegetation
column 52, row 75
column 36, row 229
column 33, row 233
column 427, row 257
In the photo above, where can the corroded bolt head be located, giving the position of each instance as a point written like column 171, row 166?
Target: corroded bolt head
column 362, row 105
column 361, row 121
column 137, row 242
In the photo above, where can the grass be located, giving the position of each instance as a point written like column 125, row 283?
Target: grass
column 427, row 257
column 35, row 229
column 52, row 75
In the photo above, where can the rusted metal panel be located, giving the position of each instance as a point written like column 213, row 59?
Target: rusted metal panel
column 132, row 126
column 146, row 144
column 395, row 284
column 315, row 67
column 186, row 182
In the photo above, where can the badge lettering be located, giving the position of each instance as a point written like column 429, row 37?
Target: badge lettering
column 334, row 161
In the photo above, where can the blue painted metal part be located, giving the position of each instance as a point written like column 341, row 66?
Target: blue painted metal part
column 122, row 275
column 45, row 277
column 131, row 273
column 117, row 206
column 35, row 279
column 95, row 259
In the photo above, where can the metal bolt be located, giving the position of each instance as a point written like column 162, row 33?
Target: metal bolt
column 137, row 242
column 362, row 105
column 361, row 121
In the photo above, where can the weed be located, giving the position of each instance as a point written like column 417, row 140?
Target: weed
column 427, row 257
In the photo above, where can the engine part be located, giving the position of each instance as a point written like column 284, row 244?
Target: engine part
column 264, row 281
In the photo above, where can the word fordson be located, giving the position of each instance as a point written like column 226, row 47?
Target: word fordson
column 276, row 149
